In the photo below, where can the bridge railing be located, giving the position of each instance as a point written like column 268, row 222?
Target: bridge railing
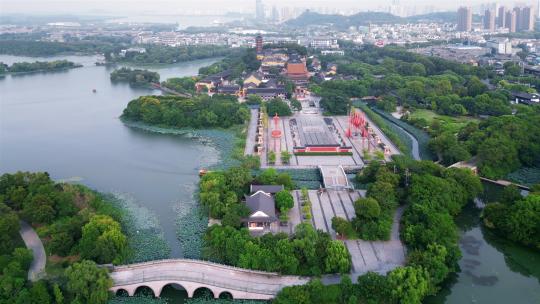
column 196, row 261
column 236, row 284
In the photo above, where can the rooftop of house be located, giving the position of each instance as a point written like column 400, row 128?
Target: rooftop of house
column 266, row 188
column 297, row 68
column 262, row 207
column 278, row 90
column 525, row 95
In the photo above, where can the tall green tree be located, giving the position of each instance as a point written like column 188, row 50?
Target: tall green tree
column 88, row 283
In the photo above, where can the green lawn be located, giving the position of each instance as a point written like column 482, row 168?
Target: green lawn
column 448, row 123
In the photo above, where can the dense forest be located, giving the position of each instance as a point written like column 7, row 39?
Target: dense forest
column 46, row 48
column 38, row 66
column 432, row 195
column 135, row 77
column 161, row 54
column 201, row 111
column 449, row 100
column 181, row 84
column 79, row 229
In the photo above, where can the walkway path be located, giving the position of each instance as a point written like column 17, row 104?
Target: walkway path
column 32, row 241
column 378, row 256
column 252, row 132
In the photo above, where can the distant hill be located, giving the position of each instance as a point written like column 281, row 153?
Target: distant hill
column 339, row 21
column 365, row 18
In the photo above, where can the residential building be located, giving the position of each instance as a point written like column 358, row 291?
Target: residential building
column 324, row 43
column 501, row 17
column 526, row 19
column 500, row 46
column 259, row 10
column 489, row 20
column 464, row 19
column 525, row 98
column 510, row 21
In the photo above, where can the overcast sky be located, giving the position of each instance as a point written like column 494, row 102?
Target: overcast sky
column 127, row 7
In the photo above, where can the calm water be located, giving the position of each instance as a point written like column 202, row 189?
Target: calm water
column 493, row 270
column 53, row 122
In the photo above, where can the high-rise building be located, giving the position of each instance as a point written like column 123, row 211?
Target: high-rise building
column 526, row 19
column 501, row 17
column 275, row 14
column 517, row 10
column 464, row 19
column 510, row 21
column 259, row 10
column 489, row 20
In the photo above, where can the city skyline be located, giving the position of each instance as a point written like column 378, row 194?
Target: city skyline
column 120, row 7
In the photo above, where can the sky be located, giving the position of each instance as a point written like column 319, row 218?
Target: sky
column 129, row 7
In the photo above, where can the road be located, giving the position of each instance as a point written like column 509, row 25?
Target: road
column 32, row 241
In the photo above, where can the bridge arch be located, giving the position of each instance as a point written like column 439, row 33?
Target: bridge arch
column 226, row 295
column 203, row 291
column 145, row 290
column 176, row 285
column 121, row 292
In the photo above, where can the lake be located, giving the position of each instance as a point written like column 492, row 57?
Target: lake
column 53, row 122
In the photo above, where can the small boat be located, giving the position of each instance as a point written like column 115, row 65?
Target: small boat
column 94, row 91
column 202, row 172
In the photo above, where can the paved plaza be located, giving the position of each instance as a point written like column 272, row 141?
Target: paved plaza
column 379, row 256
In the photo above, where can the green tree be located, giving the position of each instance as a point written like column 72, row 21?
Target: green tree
column 103, row 240
column 39, row 293
column 434, row 261
column 409, row 284
column 284, row 200
column 88, row 283
column 279, row 107
column 9, row 229
column 338, row 258
column 296, row 105
column 367, row 208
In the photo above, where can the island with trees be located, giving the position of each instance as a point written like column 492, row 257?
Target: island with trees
column 201, row 111
column 38, row 66
column 135, row 77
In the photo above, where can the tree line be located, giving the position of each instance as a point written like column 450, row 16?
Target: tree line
column 163, row 54
column 135, row 77
column 37, row 66
column 202, row 111
column 77, row 226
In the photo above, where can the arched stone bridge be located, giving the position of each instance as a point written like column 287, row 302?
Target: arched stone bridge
column 194, row 274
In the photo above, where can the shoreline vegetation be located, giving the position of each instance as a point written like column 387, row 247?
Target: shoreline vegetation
column 79, row 227
column 135, row 77
column 19, row 68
